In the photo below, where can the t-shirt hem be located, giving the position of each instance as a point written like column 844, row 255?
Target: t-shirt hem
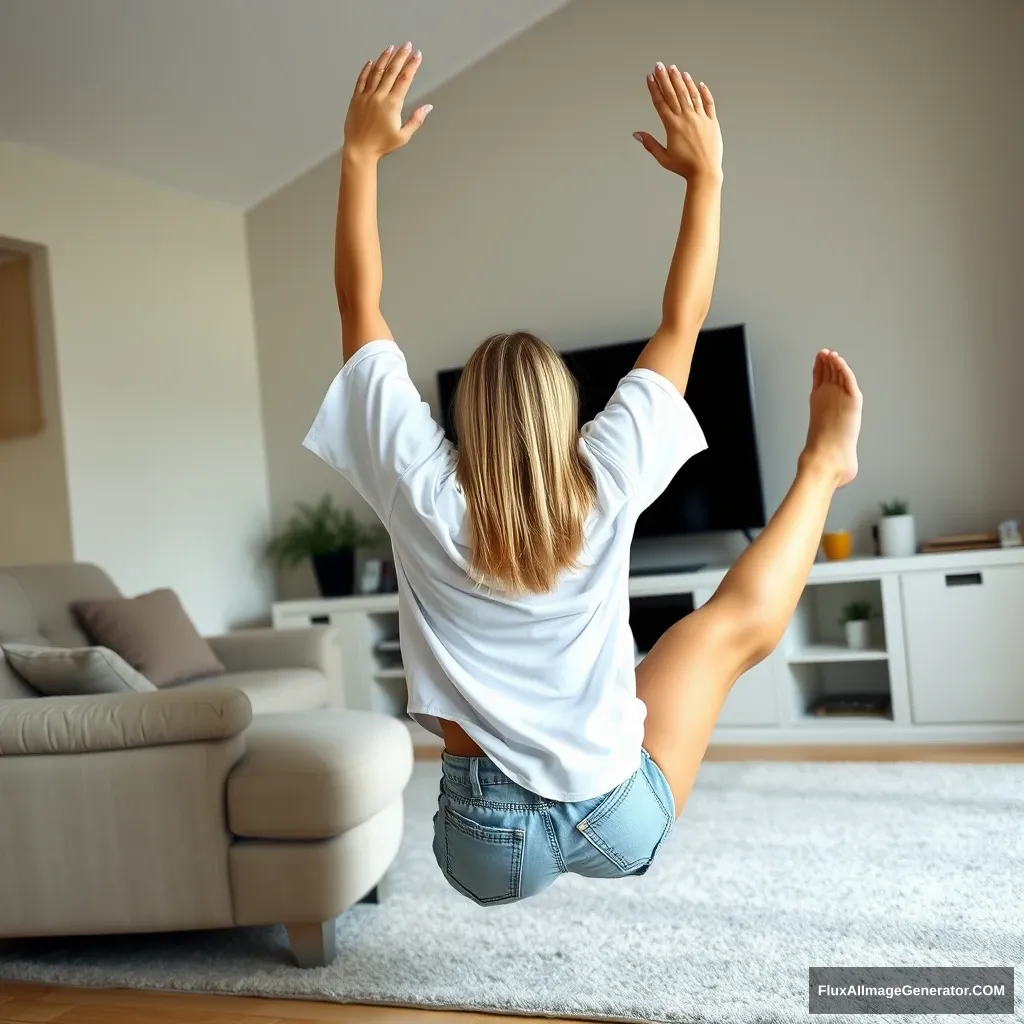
column 482, row 740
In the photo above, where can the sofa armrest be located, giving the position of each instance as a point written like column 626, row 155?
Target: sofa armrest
column 248, row 650
column 75, row 725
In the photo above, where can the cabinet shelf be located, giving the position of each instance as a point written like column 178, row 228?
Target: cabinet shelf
column 946, row 650
column 814, row 654
column 807, row 721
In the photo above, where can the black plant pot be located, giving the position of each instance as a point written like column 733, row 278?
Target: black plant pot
column 336, row 572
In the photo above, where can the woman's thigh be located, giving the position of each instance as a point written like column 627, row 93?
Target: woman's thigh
column 684, row 681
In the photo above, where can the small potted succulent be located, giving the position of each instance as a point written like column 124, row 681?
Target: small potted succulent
column 897, row 537
column 856, row 620
column 328, row 536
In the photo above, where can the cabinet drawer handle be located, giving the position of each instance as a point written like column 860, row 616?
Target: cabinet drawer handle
column 325, row 620
column 964, row 579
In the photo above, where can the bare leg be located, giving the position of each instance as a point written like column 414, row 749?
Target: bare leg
column 688, row 674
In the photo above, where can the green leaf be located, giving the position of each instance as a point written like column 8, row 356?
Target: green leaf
column 857, row 611
column 896, row 507
column 319, row 529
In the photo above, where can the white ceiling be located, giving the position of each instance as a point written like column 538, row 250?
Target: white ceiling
column 227, row 99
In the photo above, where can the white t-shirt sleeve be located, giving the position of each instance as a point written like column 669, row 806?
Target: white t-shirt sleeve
column 373, row 426
column 644, row 435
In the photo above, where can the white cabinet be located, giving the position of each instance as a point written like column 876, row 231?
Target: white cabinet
column 964, row 639
column 948, row 650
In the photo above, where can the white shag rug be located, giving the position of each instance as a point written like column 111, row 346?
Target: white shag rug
column 773, row 868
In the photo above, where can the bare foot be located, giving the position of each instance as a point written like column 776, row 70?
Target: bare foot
column 836, row 404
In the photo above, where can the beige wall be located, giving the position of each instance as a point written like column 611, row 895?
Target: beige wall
column 873, row 204
column 152, row 319
column 34, row 521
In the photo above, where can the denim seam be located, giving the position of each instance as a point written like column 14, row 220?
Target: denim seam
column 494, row 805
column 515, row 874
column 549, row 827
column 516, row 841
column 594, row 837
column 603, row 812
column 657, row 796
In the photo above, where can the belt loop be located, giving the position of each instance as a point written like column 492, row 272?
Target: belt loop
column 474, row 777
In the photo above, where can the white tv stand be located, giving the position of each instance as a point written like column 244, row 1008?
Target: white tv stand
column 948, row 647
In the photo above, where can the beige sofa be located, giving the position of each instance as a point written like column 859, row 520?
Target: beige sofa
column 180, row 809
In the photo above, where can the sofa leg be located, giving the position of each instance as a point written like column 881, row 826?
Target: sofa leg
column 313, row 945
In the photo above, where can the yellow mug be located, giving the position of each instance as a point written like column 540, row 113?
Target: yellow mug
column 837, row 546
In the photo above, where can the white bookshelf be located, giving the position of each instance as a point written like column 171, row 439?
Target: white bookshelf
column 947, row 653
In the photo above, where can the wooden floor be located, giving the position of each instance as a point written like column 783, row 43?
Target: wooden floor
column 21, row 1004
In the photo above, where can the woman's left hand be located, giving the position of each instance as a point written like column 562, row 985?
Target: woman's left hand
column 373, row 127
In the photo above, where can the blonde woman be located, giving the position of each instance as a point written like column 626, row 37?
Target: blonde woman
column 512, row 552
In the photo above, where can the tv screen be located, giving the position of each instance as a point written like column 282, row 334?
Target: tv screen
column 717, row 490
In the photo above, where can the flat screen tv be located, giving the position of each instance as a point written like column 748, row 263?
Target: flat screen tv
column 717, row 490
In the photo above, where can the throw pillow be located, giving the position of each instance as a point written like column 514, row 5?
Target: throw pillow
column 152, row 633
column 74, row 671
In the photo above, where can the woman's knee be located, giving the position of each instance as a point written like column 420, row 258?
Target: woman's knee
column 751, row 629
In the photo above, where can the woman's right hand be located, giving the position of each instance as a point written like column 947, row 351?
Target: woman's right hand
column 693, row 145
column 373, row 127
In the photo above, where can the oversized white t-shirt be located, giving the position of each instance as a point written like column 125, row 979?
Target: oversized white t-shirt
column 544, row 683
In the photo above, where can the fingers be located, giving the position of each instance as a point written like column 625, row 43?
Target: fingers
column 709, row 100
column 653, row 146
column 677, row 91
column 406, row 74
column 657, row 96
column 363, row 76
column 395, row 65
column 679, row 88
column 664, row 84
column 692, row 92
column 416, row 121
column 378, row 69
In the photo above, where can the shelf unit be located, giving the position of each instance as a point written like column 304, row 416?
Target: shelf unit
column 939, row 617
column 815, row 654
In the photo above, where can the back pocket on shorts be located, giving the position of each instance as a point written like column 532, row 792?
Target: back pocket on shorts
column 628, row 826
column 484, row 862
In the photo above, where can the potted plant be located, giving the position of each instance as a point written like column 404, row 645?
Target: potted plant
column 328, row 536
column 856, row 621
column 897, row 537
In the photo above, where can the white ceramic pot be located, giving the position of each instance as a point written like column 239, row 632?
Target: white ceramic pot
column 897, row 537
column 858, row 635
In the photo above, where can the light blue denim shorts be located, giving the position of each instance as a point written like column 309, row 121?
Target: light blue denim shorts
column 496, row 842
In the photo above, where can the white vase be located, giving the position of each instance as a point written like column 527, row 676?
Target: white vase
column 897, row 537
column 858, row 635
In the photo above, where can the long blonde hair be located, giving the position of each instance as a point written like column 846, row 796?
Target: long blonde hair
column 528, row 490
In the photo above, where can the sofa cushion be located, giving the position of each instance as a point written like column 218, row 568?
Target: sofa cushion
column 17, row 625
column 273, row 690
column 118, row 721
column 74, row 671
column 50, row 591
column 313, row 776
column 152, row 633
column 12, row 686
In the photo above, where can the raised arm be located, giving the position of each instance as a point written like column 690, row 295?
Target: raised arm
column 693, row 150
column 373, row 128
